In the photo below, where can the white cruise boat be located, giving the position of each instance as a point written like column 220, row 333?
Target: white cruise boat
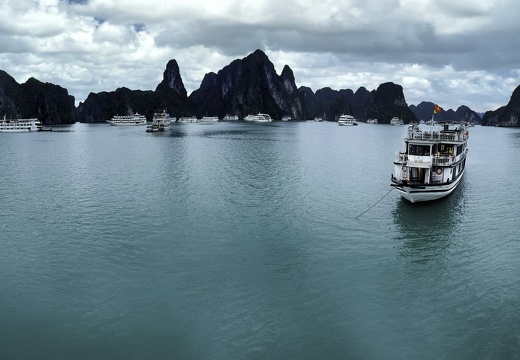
column 128, row 120
column 20, row 125
column 347, row 120
column 188, row 119
column 230, row 118
column 318, row 119
column 161, row 122
column 396, row 121
column 372, row 121
column 209, row 118
column 258, row 118
column 433, row 162
column 286, row 118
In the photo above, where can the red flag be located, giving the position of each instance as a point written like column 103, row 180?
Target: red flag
column 436, row 109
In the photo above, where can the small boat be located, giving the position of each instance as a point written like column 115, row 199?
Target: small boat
column 188, row 119
column 44, row 128
column 318, row 119
column 396, row 121
column 372, row 121
column 286, row 118
column 209, row 118
column 161, row 122
column 128, row 120
column 347, row 120
column 433, row 162
column 230, row 118
column 19, row 125
column 258, row 117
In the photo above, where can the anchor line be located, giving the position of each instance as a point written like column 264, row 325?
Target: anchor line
column 377, row 202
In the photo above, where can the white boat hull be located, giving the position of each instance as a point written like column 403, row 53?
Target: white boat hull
column 125, row 123
column 420, row 193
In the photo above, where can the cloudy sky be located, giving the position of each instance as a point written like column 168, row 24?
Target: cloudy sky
column 451, row 52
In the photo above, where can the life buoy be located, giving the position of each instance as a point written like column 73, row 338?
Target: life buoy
column 438, row 171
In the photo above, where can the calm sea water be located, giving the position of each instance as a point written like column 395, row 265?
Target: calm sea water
column 240, row 241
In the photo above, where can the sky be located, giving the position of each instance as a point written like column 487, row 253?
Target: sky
column 450, row 52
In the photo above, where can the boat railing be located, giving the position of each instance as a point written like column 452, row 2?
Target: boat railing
column 425, row 161
column 401, row 157
column 436, row 135
column 444, row 159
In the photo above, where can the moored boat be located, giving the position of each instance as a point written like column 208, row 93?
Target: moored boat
column 161, row 122
column 19, row 125
column 230, row 117
column 396, row 121
column 188, row 119
column 128, row 120
column 258, row 117
column 209, row 118
column 433, row 162
column 347, row 120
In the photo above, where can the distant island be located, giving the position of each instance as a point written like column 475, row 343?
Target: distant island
column 246, row 86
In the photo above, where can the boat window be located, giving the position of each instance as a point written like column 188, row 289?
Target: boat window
column 420, row 150
column 460, row 149
column 445, row 149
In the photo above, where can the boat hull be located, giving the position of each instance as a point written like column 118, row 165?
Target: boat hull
column 18, row 130
column 422, row 192
column 115, row 123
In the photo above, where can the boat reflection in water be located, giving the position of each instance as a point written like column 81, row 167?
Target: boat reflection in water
column 428, row 229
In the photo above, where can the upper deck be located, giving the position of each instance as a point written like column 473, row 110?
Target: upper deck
column 457, row 133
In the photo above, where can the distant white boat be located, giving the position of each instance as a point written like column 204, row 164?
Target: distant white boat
column 258, row 118
column 286, row 118
column 347, row 120
column 230, row 118
column 318, row 119
column 20, row 125
column 161, row 122
column 372, row 121
column 188, row 119
column 128, row 120
column 209, row 118
column 396, row 121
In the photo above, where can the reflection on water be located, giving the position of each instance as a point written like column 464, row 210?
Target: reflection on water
column 427, row 229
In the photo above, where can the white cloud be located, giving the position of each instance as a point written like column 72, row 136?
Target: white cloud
column 448, row 52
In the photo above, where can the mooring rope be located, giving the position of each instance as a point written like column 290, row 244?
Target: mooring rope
column 375, row 203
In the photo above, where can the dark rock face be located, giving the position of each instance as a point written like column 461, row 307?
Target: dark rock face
column 98, row 107
column 50, row 103
column 170, row 95
column 248, row 86
column 507, row 116
column 424, row 111
column 388, row 101
column 172, row 80
column 382, row 104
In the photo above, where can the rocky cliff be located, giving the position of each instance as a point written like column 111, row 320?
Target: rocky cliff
column 170, row 95
column 424, row 111
column 508, row 116
column 248, row 86
column 383, row 103
column 50, row 103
